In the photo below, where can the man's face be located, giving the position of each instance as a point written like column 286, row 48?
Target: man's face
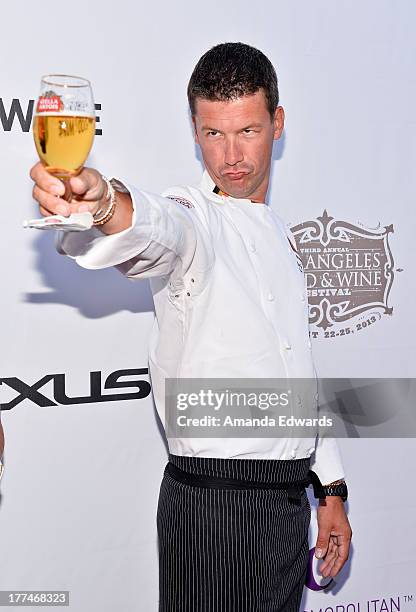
column 236, row 140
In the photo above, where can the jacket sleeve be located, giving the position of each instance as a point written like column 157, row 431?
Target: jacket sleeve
column 163, row 236
column 326, row 461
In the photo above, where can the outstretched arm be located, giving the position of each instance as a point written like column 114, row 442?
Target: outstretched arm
column 149, row 235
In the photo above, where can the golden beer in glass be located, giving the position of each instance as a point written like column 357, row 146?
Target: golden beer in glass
column 64, row 124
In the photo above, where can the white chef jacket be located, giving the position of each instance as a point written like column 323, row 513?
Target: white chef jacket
column 230, row 302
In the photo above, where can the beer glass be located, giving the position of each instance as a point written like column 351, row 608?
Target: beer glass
column 64, row 125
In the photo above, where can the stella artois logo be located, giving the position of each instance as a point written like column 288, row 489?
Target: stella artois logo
column 349, row 274
column 49, row 103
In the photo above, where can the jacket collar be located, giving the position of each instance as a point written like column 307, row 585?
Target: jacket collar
column 210, row 189
column 213, row 192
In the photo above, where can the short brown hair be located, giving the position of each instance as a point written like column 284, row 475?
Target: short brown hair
column 231, row 70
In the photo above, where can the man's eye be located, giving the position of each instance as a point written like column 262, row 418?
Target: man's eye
column 212, row 133
column 248, row 131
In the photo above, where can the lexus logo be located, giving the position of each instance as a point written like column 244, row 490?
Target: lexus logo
column 96, row 392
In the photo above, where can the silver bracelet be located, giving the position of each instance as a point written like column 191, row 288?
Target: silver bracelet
column 102, row 216
column 98, row 212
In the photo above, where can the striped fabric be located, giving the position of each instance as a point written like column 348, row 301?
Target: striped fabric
column 232, row 550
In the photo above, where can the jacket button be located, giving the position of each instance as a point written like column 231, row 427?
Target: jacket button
column 287, row 346
column 270, row 297
column 293, row 453
column 252, row 247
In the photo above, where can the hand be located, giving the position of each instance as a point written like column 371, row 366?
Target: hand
column 334, row 535
column 88, row 189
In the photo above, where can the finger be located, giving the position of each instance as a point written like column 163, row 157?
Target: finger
column 65, row 210
column 80, row 185
column 337, row 566
column 52, row 204
column 331, row 571
column 329, row 558
column 84, row 206
column 343, row 547
column 332, row 546
column 79, row 204
column 322, row 543
column 44, row 212
column 343, row 553
column 46, row 181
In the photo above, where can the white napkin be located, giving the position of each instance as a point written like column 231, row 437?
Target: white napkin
column 77, row 222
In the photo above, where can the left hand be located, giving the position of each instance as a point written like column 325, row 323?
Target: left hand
column 334, row 535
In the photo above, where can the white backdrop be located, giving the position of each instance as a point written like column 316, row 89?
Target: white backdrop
column 81, row 481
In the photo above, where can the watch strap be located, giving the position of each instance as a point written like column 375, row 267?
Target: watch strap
column 338, row 487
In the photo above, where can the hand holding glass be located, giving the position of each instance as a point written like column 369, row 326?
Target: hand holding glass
column 64, row 128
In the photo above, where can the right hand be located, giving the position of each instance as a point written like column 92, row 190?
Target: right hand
column 88, row 189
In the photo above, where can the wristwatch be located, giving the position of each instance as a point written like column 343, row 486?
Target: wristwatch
column 338, row 487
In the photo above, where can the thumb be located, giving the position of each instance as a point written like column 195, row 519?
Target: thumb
column 88, row 183
column 322, row 543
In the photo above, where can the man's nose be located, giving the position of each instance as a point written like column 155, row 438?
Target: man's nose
column 233, row 153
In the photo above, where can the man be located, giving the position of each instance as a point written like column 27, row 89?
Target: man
column 230, row 301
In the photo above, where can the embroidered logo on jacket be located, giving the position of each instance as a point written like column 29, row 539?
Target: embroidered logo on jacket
column 181, row 200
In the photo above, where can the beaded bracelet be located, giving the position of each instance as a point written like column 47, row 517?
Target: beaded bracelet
column 107, row 214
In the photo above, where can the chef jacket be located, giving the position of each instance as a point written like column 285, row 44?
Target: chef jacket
column 230, row 301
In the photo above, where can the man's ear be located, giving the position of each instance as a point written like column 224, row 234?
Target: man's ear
column 195, row 132
column 279, row 122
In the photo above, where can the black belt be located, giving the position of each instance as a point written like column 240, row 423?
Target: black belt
column 294, row 488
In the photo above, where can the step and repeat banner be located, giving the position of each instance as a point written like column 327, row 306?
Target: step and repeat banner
column 82, row 470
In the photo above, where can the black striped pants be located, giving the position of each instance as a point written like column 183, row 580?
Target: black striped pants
column 232, row 550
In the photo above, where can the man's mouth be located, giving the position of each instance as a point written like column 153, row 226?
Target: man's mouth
column 235, row 176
